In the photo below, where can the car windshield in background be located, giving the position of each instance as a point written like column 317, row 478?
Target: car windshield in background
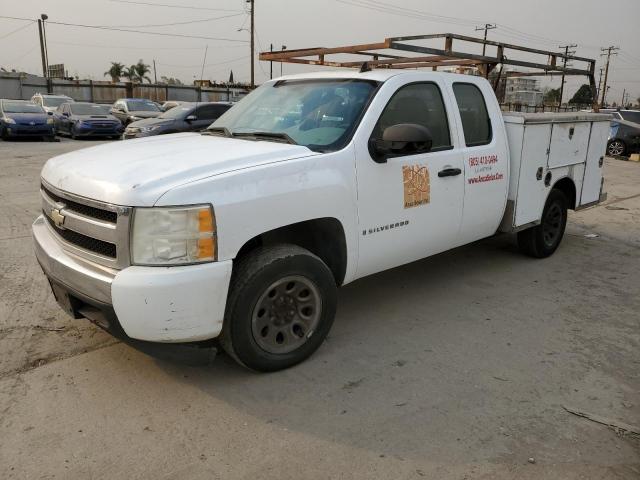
column 142, row 106
column 631, row 116
column 21, row 107
column 319, row 114
column 88, row 109
column 177, row 112
column 54, row 101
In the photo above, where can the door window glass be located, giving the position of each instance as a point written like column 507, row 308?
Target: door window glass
column 473, row 113
column 419, row 103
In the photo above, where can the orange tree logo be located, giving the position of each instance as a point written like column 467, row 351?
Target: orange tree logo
column 416, row 185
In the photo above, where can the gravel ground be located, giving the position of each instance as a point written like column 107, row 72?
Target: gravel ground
column 458, row 366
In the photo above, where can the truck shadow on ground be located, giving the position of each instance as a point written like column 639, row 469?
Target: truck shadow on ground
column 448, row 356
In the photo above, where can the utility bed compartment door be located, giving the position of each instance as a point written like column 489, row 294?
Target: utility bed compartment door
column 593, row 174
column 569, row 144
column 531, row 189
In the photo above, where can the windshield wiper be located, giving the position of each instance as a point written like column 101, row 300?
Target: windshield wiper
column 276, row 136
column 217, row 130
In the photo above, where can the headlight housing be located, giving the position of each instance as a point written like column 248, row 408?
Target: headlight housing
column 150, row 128
column 9, row 121
column 174, row 235
column 49, row 121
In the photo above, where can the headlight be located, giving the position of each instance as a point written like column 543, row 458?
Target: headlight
column 173, row 235
column 49, row 121
column 8, row 120
column 150, row 128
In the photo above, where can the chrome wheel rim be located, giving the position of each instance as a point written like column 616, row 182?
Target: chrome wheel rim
column 552, row 225
column 286, row 314
column 616, row 148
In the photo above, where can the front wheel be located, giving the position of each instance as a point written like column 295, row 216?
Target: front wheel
column 542, row 240
column 616, row 148
column 281, row 305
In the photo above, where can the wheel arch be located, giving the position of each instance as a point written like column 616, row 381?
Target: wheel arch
column 568, row 187
column 324, row 237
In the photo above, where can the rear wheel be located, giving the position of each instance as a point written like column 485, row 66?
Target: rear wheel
column 282, row 302
column 542, row 240
column 616, row 148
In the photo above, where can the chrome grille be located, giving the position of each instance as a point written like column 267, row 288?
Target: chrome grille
column 88, row 228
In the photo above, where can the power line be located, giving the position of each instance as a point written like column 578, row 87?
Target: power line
column 130, row 47
column 175, row 23
column 18, row 29
column 166, row 5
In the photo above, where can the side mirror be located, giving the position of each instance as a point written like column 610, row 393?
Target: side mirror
column 401, row 139
column 49, row 112
column 66, row 114
column 190, row 118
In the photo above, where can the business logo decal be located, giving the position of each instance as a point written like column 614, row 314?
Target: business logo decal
column 417, row 189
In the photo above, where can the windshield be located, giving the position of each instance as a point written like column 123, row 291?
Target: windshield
column 55, row 101
column 21, row 107
column 631, row 116
column 88, row 109
column 176, row 112
column 142, row 106
column 319, row 114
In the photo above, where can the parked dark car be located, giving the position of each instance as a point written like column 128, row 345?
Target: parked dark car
column 183, row 118
column 81, row 119
column 624, row 138
column 19, row 118
column 129, row 110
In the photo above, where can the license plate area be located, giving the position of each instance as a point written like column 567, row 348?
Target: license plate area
column 69, row 304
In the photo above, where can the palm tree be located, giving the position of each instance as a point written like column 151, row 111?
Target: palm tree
column 115, row 71
column 141, row 70
column 130, row 73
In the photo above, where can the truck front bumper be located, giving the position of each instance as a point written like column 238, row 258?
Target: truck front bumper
column 154, row 304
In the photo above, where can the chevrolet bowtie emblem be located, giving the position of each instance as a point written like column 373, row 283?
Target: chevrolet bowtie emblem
column 57, row 217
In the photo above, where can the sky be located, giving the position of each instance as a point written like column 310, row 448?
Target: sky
column 87, row 53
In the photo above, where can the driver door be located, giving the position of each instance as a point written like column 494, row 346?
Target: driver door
column 410, row 206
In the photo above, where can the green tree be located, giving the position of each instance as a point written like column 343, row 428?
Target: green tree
column 584, row 96
column 130, row 73
column 115, row 71
column 142, row 69
column 552, row 96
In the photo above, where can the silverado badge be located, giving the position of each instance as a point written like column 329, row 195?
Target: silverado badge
column 57, row 217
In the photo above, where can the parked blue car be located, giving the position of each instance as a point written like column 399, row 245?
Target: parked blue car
column 80, row 119
column 19, row 118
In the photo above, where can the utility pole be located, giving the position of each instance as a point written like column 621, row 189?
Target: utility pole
column 44, row 17
column 253, row 82
column 564, row 66
column 42, row 53
column 271, row 64
column 624, row 94
column 599, row 84
column 610, row 51
column 486, row 28
column 283, row 48
column 155, row 73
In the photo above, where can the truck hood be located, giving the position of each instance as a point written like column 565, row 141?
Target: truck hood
column 138, row 172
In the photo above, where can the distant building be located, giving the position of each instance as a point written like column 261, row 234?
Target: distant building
column 523, row 90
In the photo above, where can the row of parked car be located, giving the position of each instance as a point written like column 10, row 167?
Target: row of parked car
column 46, row 116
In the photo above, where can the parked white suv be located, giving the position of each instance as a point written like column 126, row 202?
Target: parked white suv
column 50, row 102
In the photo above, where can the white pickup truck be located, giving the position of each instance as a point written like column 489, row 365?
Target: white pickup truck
column 245, row 231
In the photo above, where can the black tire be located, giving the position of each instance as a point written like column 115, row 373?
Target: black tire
column 254, row 280
column 616, row 148
column 544, row 239
column 72, row 133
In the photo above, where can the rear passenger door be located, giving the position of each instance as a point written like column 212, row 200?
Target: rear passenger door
column 411, row 206
column 486, row 160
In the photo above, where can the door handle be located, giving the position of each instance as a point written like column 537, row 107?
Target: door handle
column 449, row 172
